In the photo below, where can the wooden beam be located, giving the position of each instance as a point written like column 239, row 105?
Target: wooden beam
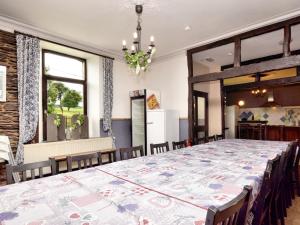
column 190, row 110
column 267, row 83
column 237, row 52
column 190, row 64
column 275, row 64
column 287, row 41
column 222, row 106
column 248, row 34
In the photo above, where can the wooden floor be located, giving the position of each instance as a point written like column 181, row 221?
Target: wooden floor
column 294, row 213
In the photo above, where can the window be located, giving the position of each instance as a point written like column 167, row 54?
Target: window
column 64, row 86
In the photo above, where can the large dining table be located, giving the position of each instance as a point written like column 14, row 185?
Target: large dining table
column 175, row 188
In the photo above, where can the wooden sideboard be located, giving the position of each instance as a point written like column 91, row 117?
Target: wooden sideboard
column 282, row 133
column 270, row 132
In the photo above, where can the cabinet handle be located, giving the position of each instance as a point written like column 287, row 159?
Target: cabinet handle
column 149, row 122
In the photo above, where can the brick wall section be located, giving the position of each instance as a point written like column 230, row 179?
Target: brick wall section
column 9, row 117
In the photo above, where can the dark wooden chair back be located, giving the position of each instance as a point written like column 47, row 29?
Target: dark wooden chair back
column 199, row 141
column 232, row 213
column 179, row 144
column 25, row 168
column 132, row 152
column 86, row 159
column 211, row 138
column 159, row 148
column 262, row 205
column 297, row 155
column 219, row 137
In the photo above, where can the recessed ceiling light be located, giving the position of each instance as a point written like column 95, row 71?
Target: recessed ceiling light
column 187, row 28
column 229, row 53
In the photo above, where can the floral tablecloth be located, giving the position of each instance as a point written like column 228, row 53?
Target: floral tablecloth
column 170, row 188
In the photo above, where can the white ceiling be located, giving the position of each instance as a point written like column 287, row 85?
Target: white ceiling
column 104, row 23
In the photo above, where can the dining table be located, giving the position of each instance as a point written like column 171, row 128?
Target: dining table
column 176, row 187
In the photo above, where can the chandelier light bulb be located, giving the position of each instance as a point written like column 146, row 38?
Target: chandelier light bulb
column 124, row 43
column 135, row 35
column 133, row 48
column 152, row 39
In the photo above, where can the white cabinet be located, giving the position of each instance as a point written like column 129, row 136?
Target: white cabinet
column 162, row 126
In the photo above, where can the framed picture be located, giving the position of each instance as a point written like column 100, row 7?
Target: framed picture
column 2, row 83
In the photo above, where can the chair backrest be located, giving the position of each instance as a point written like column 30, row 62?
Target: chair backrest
column 199, row 141
column 219, row 137
column 230, row 213
column 25, row 168
column 179, row 144
column 132, row 152
column 262, row 205
column 86, row 159
column 292, row 155
column 297, row 155
column 211, row 138
column 159, row 148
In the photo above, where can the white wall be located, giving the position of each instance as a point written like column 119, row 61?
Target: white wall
column 168, row 76
column 214, row 105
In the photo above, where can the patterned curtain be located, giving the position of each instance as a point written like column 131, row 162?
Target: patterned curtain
column 107, row 94
column 28, row 65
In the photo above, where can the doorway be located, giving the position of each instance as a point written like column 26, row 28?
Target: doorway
column 200, row 112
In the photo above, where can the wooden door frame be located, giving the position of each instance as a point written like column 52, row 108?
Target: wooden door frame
column 288, row 59
column 195, row 114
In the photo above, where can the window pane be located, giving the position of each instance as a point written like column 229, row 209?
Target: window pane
column 63, row 66
column 295, row 38
column 211, row 60
column 263, row 45
column 64, row 98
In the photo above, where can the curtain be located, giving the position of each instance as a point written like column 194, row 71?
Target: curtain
column 107, row 94
column 28, row 66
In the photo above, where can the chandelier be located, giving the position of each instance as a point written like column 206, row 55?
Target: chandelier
column 259, row 92
column 137, row 59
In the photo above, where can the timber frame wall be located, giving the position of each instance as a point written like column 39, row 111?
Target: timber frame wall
column 286, row 60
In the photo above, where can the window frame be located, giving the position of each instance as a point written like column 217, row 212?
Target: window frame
column 47, row 77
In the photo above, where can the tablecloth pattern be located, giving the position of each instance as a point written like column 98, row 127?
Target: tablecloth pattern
column 170, row 188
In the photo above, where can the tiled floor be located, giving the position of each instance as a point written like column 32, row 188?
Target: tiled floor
column 294, row 213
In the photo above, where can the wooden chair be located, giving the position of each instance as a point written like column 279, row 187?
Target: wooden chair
column 232, row 213
column 289, row 189
column 199, row 141
column 278, row 206
column 219, row 137
column 159, row 148
column 132, row 152
column 25, row 168
column 179, row 144
column 262, row 205
column 211, row 138
column 87, row 160
column 295, row 175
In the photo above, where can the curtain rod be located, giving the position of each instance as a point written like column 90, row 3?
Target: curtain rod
column 43, row 39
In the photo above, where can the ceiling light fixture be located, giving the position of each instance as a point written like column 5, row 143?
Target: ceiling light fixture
column 187, row 28
column 137, row 59
column 259, row 92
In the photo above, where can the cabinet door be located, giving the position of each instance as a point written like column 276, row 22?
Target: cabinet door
column 155, row 128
